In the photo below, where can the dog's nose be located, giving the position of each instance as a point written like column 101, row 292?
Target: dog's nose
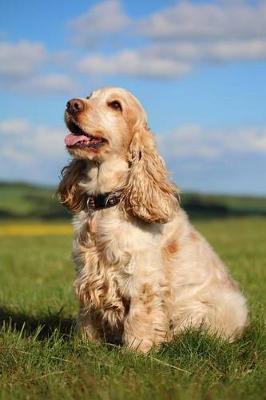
column 75, row 105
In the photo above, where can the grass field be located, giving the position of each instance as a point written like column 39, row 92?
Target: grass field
column 42, row 357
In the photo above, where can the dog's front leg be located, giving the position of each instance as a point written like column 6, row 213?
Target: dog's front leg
column 146, row 324
column 90, row 290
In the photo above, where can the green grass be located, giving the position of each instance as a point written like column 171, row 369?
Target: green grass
column 42, row 357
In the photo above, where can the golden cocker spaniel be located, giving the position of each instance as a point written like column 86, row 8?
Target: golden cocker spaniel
column 143, row 273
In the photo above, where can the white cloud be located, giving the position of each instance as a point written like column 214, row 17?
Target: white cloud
column 52, row 83
column 15, row 156
column 24, row 141
column 247, row 49
column 231, row 19
column 105, row 18
column 31, row 152
column 176, row 39
column 14, row 126
column 133, row 63
column 214, row 51
column 22, row 65
column 192, row 140
column 21, row 59
column 171, row 60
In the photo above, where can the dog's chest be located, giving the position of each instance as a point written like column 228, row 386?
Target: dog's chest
column 109, row 231
column 118, row 243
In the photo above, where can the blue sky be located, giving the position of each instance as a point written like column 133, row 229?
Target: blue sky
column 198, row 67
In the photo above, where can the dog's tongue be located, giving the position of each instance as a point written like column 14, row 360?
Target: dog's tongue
column 71, row 140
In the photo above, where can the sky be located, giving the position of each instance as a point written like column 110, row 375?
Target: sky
column 198, row 67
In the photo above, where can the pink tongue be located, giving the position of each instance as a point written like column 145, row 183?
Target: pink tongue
column 70, row 139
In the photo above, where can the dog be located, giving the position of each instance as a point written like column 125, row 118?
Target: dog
column 144, row 274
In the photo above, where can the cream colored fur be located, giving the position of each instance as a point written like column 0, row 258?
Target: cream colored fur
column 144, row 274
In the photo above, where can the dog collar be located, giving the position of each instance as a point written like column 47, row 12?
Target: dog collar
column 104, row 200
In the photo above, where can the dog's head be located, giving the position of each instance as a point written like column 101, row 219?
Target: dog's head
column 103, row 123
column 111, row 121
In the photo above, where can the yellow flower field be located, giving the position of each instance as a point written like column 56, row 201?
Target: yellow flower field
column 35, row 229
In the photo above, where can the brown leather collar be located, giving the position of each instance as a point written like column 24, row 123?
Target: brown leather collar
column 104, row 200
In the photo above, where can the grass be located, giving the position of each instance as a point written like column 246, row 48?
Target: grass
column 42, row 356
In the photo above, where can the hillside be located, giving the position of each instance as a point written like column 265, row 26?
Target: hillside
column 20, row 200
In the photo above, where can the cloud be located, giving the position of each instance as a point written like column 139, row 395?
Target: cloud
column 14, row 126
column 98, row 23
column 40, row 84
column 21, row 59
column 208, row 52
column 14, row 156
column 133, row 63
column 51, row 83
column 216, row 160
column 21, row 69
column 31, row 152
column 29, row 141
column 224, row 19
column 195, row 141
column 163, row 45
column 175, row 40
column 171, row 60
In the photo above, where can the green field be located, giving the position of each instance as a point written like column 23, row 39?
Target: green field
column 42, row 357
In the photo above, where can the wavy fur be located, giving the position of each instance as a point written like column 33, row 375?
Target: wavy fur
column 148, row 195
column 69, row 191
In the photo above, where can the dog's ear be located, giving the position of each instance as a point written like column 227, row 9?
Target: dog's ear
column 69, row 191
column 148, row 195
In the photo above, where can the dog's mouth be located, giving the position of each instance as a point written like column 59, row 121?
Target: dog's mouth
column 79, row 138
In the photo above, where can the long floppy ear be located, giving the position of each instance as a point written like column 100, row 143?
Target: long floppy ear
column 148, row 195
column 69, row 191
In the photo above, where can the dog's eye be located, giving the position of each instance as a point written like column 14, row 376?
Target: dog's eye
column 88, row 97
column 115, row 105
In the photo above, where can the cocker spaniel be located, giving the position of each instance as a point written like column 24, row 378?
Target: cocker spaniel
column 143, row 272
